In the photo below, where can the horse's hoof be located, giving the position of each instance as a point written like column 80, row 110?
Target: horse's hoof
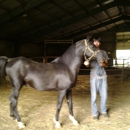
column 57, row 123
column 76, row 123
column 73, row 120
column 21, row 125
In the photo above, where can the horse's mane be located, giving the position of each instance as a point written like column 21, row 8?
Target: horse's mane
column 69, row 54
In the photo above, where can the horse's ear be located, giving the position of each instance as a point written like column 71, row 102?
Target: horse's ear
column 90, row 38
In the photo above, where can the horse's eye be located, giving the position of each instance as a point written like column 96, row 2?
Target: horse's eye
column 92, row 46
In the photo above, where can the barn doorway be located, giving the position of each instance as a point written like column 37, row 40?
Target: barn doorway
column 123, row 48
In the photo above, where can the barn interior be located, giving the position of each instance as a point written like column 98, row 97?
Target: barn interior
column 43, row 30
column 36, row 28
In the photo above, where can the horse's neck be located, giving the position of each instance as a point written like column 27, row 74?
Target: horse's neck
column 73, row 58
column 75, row 64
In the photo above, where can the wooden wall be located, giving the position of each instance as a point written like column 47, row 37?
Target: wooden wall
column 30, row 50
column 6, row 48
column 108, row 43
column 11, row 49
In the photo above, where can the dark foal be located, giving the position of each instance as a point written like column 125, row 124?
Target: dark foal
column 59, row 75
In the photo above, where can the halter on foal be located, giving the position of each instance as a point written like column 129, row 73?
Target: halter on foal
column 59, row 75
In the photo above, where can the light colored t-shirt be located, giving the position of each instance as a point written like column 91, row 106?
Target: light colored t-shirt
column 97, row 71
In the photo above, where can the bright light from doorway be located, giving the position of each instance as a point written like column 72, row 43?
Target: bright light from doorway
column 123, row 54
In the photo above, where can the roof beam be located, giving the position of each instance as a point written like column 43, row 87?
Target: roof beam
column 72, row 20
column 31, row 38
column 98, row 26
column 63, row 9
column 69, row 21
column 13, row 13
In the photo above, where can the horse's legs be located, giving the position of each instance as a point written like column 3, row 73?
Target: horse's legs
column 59, row 104
column 70, row 105
column 13, row 104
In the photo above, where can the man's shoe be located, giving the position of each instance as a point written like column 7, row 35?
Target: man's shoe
column 105, row 115
column 96, row 117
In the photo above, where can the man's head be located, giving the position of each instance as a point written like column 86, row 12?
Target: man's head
column 93, row 39
column 96, row 41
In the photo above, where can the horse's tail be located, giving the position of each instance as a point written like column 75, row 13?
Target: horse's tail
column 3, row 61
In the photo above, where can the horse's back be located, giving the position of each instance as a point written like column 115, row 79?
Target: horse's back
column 16, row 64
column 49, row 76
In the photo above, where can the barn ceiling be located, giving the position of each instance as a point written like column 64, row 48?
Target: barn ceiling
column 30, row 21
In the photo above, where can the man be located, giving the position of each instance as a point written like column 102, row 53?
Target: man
column 98, row 82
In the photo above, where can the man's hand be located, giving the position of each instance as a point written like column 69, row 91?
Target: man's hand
column 104, row 64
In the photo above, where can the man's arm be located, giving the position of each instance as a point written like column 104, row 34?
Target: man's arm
column 106, row 58
column 104, row 64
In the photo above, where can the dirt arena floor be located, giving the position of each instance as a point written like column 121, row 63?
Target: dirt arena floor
column 37, row 108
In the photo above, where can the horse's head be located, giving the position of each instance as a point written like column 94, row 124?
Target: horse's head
column 91, row 51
